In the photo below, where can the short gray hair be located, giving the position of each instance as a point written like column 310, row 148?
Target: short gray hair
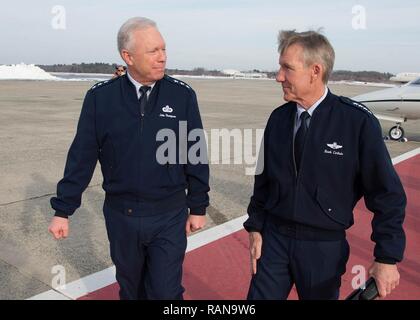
column 124, row 38
column 316, row 48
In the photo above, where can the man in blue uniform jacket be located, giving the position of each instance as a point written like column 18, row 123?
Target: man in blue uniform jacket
column 148, row 193
column 321, row 154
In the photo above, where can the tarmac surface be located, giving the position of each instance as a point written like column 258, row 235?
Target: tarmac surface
column 37, row 124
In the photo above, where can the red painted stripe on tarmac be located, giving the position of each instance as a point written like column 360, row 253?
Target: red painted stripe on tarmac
column 221, row 269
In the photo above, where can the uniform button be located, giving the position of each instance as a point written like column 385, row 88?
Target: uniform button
column 329, row 209
column 130, row 211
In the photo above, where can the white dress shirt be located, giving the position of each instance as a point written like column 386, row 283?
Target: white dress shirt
column 311, row 110
column 138, row 85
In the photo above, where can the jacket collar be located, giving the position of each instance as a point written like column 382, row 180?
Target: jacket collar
column 129, row 96
column 311, row 110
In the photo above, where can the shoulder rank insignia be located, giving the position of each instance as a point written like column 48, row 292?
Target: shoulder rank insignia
column 178, row 82
column 101, row 83
column 355, row 104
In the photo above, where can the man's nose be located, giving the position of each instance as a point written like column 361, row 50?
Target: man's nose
column 280, row 76
column 162, row 56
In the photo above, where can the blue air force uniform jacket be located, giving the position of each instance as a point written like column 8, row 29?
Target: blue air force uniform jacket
column 111, row 130
column 344, row 158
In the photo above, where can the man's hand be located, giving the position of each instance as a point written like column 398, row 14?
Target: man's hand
column 255, row 244
column 59, row 227
column 386, row 276
column 194, row 223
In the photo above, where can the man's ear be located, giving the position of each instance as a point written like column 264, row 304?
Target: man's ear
column 125, row 55
column 317, row 71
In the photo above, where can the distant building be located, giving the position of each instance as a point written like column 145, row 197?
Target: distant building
column 405, row 76
column 249, row 75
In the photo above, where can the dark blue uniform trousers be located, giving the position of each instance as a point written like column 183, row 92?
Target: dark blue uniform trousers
column 315, row 267
column 148, row 253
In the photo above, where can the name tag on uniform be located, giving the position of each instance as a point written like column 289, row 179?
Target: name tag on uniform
column 334, row 149
column 167, row 112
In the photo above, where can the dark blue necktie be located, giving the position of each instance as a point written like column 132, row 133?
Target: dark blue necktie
column 143, row 99
column 300, row 137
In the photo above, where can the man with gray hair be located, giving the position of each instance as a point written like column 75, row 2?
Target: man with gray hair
column 148, row 212
column 321, row 154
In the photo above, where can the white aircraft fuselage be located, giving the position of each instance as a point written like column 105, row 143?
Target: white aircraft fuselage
column 400, row 102
column 397, row 104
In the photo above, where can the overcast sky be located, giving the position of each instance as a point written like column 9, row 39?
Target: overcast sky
column 214, row 34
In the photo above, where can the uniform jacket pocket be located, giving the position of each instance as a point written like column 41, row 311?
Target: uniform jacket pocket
column 175, row 173
column 107, row 159
column 330, row 208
